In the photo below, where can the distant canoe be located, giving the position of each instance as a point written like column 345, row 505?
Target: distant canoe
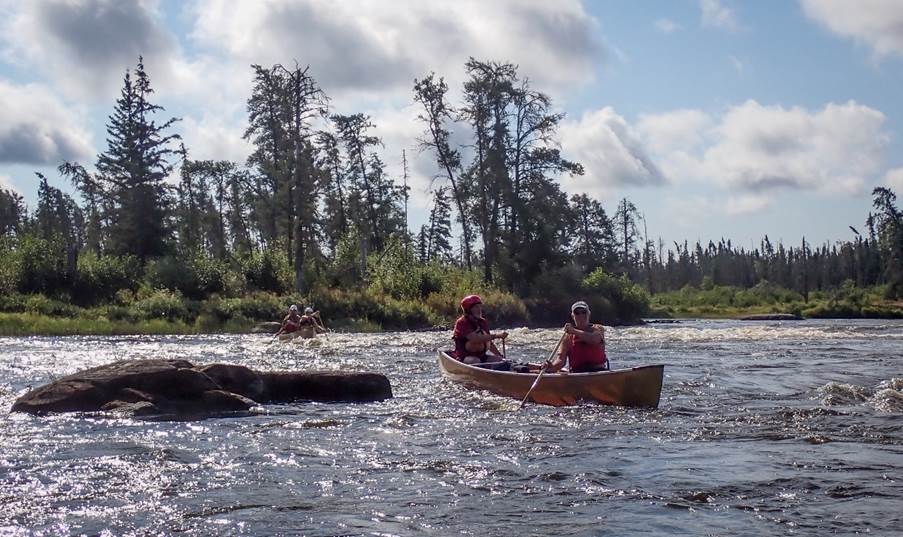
column 636, row 387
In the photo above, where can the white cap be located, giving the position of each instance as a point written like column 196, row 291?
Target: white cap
column 579, row 304
column 293, row 308
column 308, row 309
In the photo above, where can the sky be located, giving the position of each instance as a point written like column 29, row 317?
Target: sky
column 717, row 118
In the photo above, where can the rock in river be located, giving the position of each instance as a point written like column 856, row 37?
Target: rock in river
column 180, row 388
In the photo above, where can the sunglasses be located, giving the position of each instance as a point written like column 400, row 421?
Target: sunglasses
column 580, row 311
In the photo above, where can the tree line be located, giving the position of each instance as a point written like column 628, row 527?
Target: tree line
column 314, row 205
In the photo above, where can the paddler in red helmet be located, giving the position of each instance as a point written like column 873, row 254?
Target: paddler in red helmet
column 472, row 336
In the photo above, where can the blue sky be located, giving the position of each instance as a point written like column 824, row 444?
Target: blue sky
column 717, row 118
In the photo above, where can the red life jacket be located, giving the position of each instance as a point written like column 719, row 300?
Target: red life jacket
column 292, row 325
column 470, row 325
column 585, row 356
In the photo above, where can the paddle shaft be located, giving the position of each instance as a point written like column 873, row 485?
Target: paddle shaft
column 543, row 370
column 322, row 324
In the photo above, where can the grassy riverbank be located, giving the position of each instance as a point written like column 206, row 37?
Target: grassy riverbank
column 162, row 311
column 846, row 302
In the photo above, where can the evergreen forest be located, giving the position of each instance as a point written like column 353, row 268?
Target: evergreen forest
column 152, row 240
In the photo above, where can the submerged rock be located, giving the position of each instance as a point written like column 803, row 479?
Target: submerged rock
column 178, row 387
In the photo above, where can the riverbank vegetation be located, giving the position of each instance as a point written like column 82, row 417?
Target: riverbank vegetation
column 313, row 217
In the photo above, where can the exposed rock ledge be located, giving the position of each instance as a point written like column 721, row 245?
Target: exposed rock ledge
column 180, row 388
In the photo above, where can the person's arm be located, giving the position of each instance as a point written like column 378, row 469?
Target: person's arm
column 477, row 337
column 562, row 357
column 593, row 336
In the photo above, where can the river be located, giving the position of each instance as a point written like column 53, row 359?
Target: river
column 764, row 428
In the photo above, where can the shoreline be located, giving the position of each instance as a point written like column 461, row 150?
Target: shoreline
column 28, row 324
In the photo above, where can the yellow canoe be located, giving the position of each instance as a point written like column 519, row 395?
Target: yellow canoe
column 635, row 387
column 305, row 332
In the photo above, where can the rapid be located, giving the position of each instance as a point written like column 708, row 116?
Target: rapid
column 764, row 428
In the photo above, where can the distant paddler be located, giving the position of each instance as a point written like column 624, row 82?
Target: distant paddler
column 290, row 324
column 311, row 324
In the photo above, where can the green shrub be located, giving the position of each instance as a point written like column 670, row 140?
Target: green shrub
column 628, row 301
column 163, row 304
column 99, row 278
column 42, row 305
column 195, row 276
column 267, row 271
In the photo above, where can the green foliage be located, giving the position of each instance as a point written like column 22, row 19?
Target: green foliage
column 394, row 271
column 162, row 304
column 607, row 295
column 33, row 265
column 267, row 271
column 99, row 277
column 256, row 307
column 42, row 305
column 195, row 276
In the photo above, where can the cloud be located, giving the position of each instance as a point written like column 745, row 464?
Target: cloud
column 677, row 130
column 85, row 46
column 667, row 26
column 757, row 148
column 738, row 65
column 214, row 138
column 375, row 47
column 760, row 147
column 610, row 152
column 38, row 128
column 746, row 204
column 717, row 16
column 894, row 179
column 6, row 183
column 875, row 23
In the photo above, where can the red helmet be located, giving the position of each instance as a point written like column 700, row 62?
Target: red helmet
column 470, row 301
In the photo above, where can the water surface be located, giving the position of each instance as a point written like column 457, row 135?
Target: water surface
column 764, row 428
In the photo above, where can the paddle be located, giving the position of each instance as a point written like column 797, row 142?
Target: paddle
column 276, row 336
column 322, row 325
column 543, row 370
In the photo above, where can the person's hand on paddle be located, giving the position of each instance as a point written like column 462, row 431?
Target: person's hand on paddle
column 502, row 336
column 570, row 329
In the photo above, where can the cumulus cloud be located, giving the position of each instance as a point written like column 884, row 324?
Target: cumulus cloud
column 762, row 147
column 894, row 179
column 757, row 148
column 37, row 128
column 84, row 46
column 368, row 46
column 718, row 16
column 610, row 151
column 875, row 23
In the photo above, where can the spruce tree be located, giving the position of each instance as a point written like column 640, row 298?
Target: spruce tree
column 132, row 172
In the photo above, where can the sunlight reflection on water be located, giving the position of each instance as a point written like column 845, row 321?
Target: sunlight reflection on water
column 763, row 428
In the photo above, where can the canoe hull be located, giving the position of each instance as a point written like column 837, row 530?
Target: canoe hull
column 305, row 332
column 636, row 387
